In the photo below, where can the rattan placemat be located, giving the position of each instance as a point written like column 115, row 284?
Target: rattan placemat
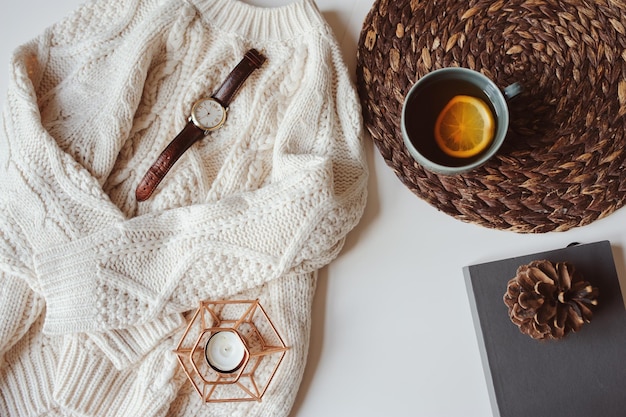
column 562, row 164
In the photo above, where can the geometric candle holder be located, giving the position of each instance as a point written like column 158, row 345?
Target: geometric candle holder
column 230, row 351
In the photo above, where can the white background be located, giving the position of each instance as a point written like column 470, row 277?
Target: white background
column 392, row 329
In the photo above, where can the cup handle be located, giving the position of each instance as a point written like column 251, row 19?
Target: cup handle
column 512, row 91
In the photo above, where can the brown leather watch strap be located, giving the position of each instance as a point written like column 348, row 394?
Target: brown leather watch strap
column 251, row 61
column 177, row 147
column 191, row 133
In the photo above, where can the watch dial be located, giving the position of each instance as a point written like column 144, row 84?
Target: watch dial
column 208, row 114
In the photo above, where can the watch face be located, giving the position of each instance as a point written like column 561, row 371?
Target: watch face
column 208, row 114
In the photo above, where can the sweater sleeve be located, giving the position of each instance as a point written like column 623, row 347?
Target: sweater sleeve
column 161, row 263
column 19, row 304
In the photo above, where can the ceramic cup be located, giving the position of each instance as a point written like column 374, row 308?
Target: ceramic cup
column 427, row 98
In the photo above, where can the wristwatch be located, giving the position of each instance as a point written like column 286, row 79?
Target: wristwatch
column 207, row 114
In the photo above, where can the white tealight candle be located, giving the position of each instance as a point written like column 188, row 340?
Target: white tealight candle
column 225, row 351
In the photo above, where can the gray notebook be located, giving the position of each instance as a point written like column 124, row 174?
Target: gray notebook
column 582, row 375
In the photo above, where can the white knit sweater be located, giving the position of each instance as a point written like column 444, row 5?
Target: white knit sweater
column 95, row 286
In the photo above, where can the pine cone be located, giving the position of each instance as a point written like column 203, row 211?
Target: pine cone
column 548, row 301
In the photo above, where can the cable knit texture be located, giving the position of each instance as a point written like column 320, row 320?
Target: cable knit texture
column 96, row 287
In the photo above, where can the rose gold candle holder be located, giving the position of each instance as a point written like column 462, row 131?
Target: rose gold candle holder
column 264, row 351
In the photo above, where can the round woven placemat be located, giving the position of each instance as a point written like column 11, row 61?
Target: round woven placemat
column 562, row 164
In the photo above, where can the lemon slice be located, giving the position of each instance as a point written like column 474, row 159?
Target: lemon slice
column 465, row 127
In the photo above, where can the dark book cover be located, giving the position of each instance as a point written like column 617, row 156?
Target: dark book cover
column 581, row 375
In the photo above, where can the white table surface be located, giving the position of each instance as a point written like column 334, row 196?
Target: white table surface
column 392, row 329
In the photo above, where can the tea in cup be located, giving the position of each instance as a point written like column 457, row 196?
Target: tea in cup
column 454, row 119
